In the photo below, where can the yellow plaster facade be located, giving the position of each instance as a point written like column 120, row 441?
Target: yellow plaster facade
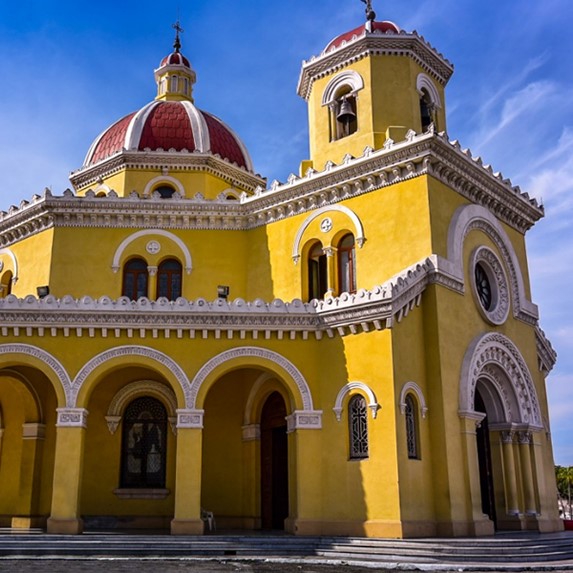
column 398, row 393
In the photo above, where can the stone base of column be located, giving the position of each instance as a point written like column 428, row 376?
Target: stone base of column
column 65, row 526
column 187, row 527
column 28, row 521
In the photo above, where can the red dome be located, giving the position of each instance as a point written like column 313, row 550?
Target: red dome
column 385, row 27
column 175, row 59
column 169, row 125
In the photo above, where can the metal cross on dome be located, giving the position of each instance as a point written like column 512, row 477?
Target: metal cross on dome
column 178, row 30
column 370, row 14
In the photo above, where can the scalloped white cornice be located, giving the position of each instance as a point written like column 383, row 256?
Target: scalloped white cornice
column 183, row 160
column 426, row 154
column 376, row 43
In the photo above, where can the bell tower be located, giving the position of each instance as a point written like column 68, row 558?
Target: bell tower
column 373, row 83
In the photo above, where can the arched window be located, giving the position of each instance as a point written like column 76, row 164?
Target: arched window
column 174, row 83
column 135, row 279
column 165, row 191
column 411, row 428
column 358, row 428
column 427, row 108
column 346, row 265
column 169, row 278
column 144, row 448
column 344, row 121
column 6, row 284
column 317, row 272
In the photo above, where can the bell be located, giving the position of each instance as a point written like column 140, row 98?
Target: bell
column 346, row 113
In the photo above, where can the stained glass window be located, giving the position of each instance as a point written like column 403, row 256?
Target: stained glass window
column 135, row 278
column 169, row 279
column 144, row 444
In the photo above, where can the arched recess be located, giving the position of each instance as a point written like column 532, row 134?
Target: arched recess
column 348, row 78
column 361, row 387
column 27, row 355
column 99, row 365
column 475, row 217
column 415, row 389
column 136, row 389
column 493, row 357
column 167, row 179
column 14, row 261
column 116, row 263
column 248, row 356
column 423, row 82
column 356, row 222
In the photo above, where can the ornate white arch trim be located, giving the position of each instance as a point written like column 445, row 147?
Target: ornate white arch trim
column 349, row 78
column 54, row 364
column 423, row 82
column 412, row 387
column 252, row 352
column 122, row 351
column 134, row 390
column 470, row 217
column 488, row 354
column 151, row 232
column 361, row 387
column 164, row 179
column 358, row 228
column 12, row 257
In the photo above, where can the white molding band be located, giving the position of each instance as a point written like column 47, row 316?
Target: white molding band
column 347, row 78
column 412, row 387
column 134, row 390
column 493, row 357
column 358, row 227
column 362, row 388
column 116, row 263
column 72, row 418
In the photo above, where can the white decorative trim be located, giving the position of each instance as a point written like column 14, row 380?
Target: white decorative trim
column 201, row 135
column 358, row 228
column 136, row 125
column 494, row 357
column 546, row 356
column 164, row 179
column 72, row 418
column 347, row 78
column 116, row 264
column 33, row 431
column 124, row 351
column 14, row 269
column 304, row 420
column 251, row 352
column 55, row 365
column 423, row 81
column 251, row 432
column 190, row 418
column 497, row 279
column 362, row 388
column 153, row 247
column 415, row 389
column 133, row 390
column 475, row 217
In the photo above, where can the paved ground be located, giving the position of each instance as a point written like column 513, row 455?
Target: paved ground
column 41, row 565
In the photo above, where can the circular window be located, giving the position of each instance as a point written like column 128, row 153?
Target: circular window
column 490, row 285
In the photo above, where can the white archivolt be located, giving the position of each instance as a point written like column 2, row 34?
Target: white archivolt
column 358, row 228
column 122, row 351
column 361, row 387
column 254, row 352
column 47, row 359
column 488, row 356
column 115, row 265
column 470, row 217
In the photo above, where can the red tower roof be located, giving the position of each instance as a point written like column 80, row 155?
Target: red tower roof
column 385, row 27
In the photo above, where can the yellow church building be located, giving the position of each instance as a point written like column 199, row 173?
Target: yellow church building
column 352, row 352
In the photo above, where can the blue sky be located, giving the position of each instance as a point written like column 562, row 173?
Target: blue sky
column 72, row 68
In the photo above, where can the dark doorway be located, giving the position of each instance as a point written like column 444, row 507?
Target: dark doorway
column 485, row 465
column 274, row 463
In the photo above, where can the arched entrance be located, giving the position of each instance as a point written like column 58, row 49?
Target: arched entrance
column 485, row 461
column 274, row 463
